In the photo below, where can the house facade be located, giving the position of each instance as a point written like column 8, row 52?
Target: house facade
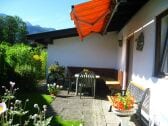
column 133, row 50
column 142, row 68
column 94, row 51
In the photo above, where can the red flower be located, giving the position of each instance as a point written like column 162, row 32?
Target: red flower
column 123, row 102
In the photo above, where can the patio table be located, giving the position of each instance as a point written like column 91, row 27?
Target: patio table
column 77, row 78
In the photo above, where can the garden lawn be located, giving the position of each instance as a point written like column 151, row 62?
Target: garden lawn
column 35, row 98
column 60, row 122
column 44, row 99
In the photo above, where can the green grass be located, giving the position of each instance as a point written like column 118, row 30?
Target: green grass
column 44, row 99
column 58, row 121
column 35, row 98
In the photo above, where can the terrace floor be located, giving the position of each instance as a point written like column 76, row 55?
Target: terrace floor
column 93, row 112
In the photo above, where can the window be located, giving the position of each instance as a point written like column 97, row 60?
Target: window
column 161, row 55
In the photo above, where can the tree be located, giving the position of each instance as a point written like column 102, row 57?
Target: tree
column 21, row 31
column 12, row 30
column 1, row 29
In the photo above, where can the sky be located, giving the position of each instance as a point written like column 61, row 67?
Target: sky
column 46, row 13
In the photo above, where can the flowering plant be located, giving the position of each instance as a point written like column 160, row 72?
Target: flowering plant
column 3, row 107
column 39, row 118
column 11, row 109
column 53, row 89
column 123, row 102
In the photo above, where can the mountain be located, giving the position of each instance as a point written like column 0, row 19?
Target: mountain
column 32, row 29
column 3, row 15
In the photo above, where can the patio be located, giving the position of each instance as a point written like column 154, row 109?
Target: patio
column 132, row 45
column 93, row 112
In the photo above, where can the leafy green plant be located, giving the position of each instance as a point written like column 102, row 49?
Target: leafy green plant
column 11, row 109
column 22, row 64
column 53, row 89
column 4, row 66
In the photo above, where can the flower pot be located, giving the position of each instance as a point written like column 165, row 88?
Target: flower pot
column 124, row 112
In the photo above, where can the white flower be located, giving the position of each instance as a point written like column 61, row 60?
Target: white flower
column 11, row 108
column 54, row 84
column 3, row 86
column 35, row 116
column 45, row 110
column 61, row 86
column 36, row 106
column 48, row 85
column 3, row 107
column 27, row 100
column 44, row 106
column 18, row 102
column 16, row 89
column 12, row 83
column 57, row 86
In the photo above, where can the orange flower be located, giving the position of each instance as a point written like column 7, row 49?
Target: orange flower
column 123, row 102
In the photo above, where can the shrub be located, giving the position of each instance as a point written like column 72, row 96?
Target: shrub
column 5, row 69
column 22, row 64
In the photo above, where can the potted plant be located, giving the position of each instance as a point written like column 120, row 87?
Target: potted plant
column 123, row 104
column 56, row 72
column 53, row 89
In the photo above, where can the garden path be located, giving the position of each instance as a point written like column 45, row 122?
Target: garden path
column 93, row 112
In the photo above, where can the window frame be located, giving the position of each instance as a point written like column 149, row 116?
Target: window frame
column 159, row 18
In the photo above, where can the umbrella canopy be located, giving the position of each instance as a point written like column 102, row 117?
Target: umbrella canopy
column 92, row 16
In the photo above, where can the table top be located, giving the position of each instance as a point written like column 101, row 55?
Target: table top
column 112, row 82
column 77, row 75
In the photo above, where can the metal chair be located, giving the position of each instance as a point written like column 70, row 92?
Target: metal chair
column 86, row 81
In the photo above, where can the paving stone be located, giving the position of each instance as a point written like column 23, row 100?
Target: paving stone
column 94, row 112
column 87, row 123
column 71, row 114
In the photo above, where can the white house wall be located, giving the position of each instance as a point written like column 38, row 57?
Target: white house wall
column 143, row 61
column 94, row 51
